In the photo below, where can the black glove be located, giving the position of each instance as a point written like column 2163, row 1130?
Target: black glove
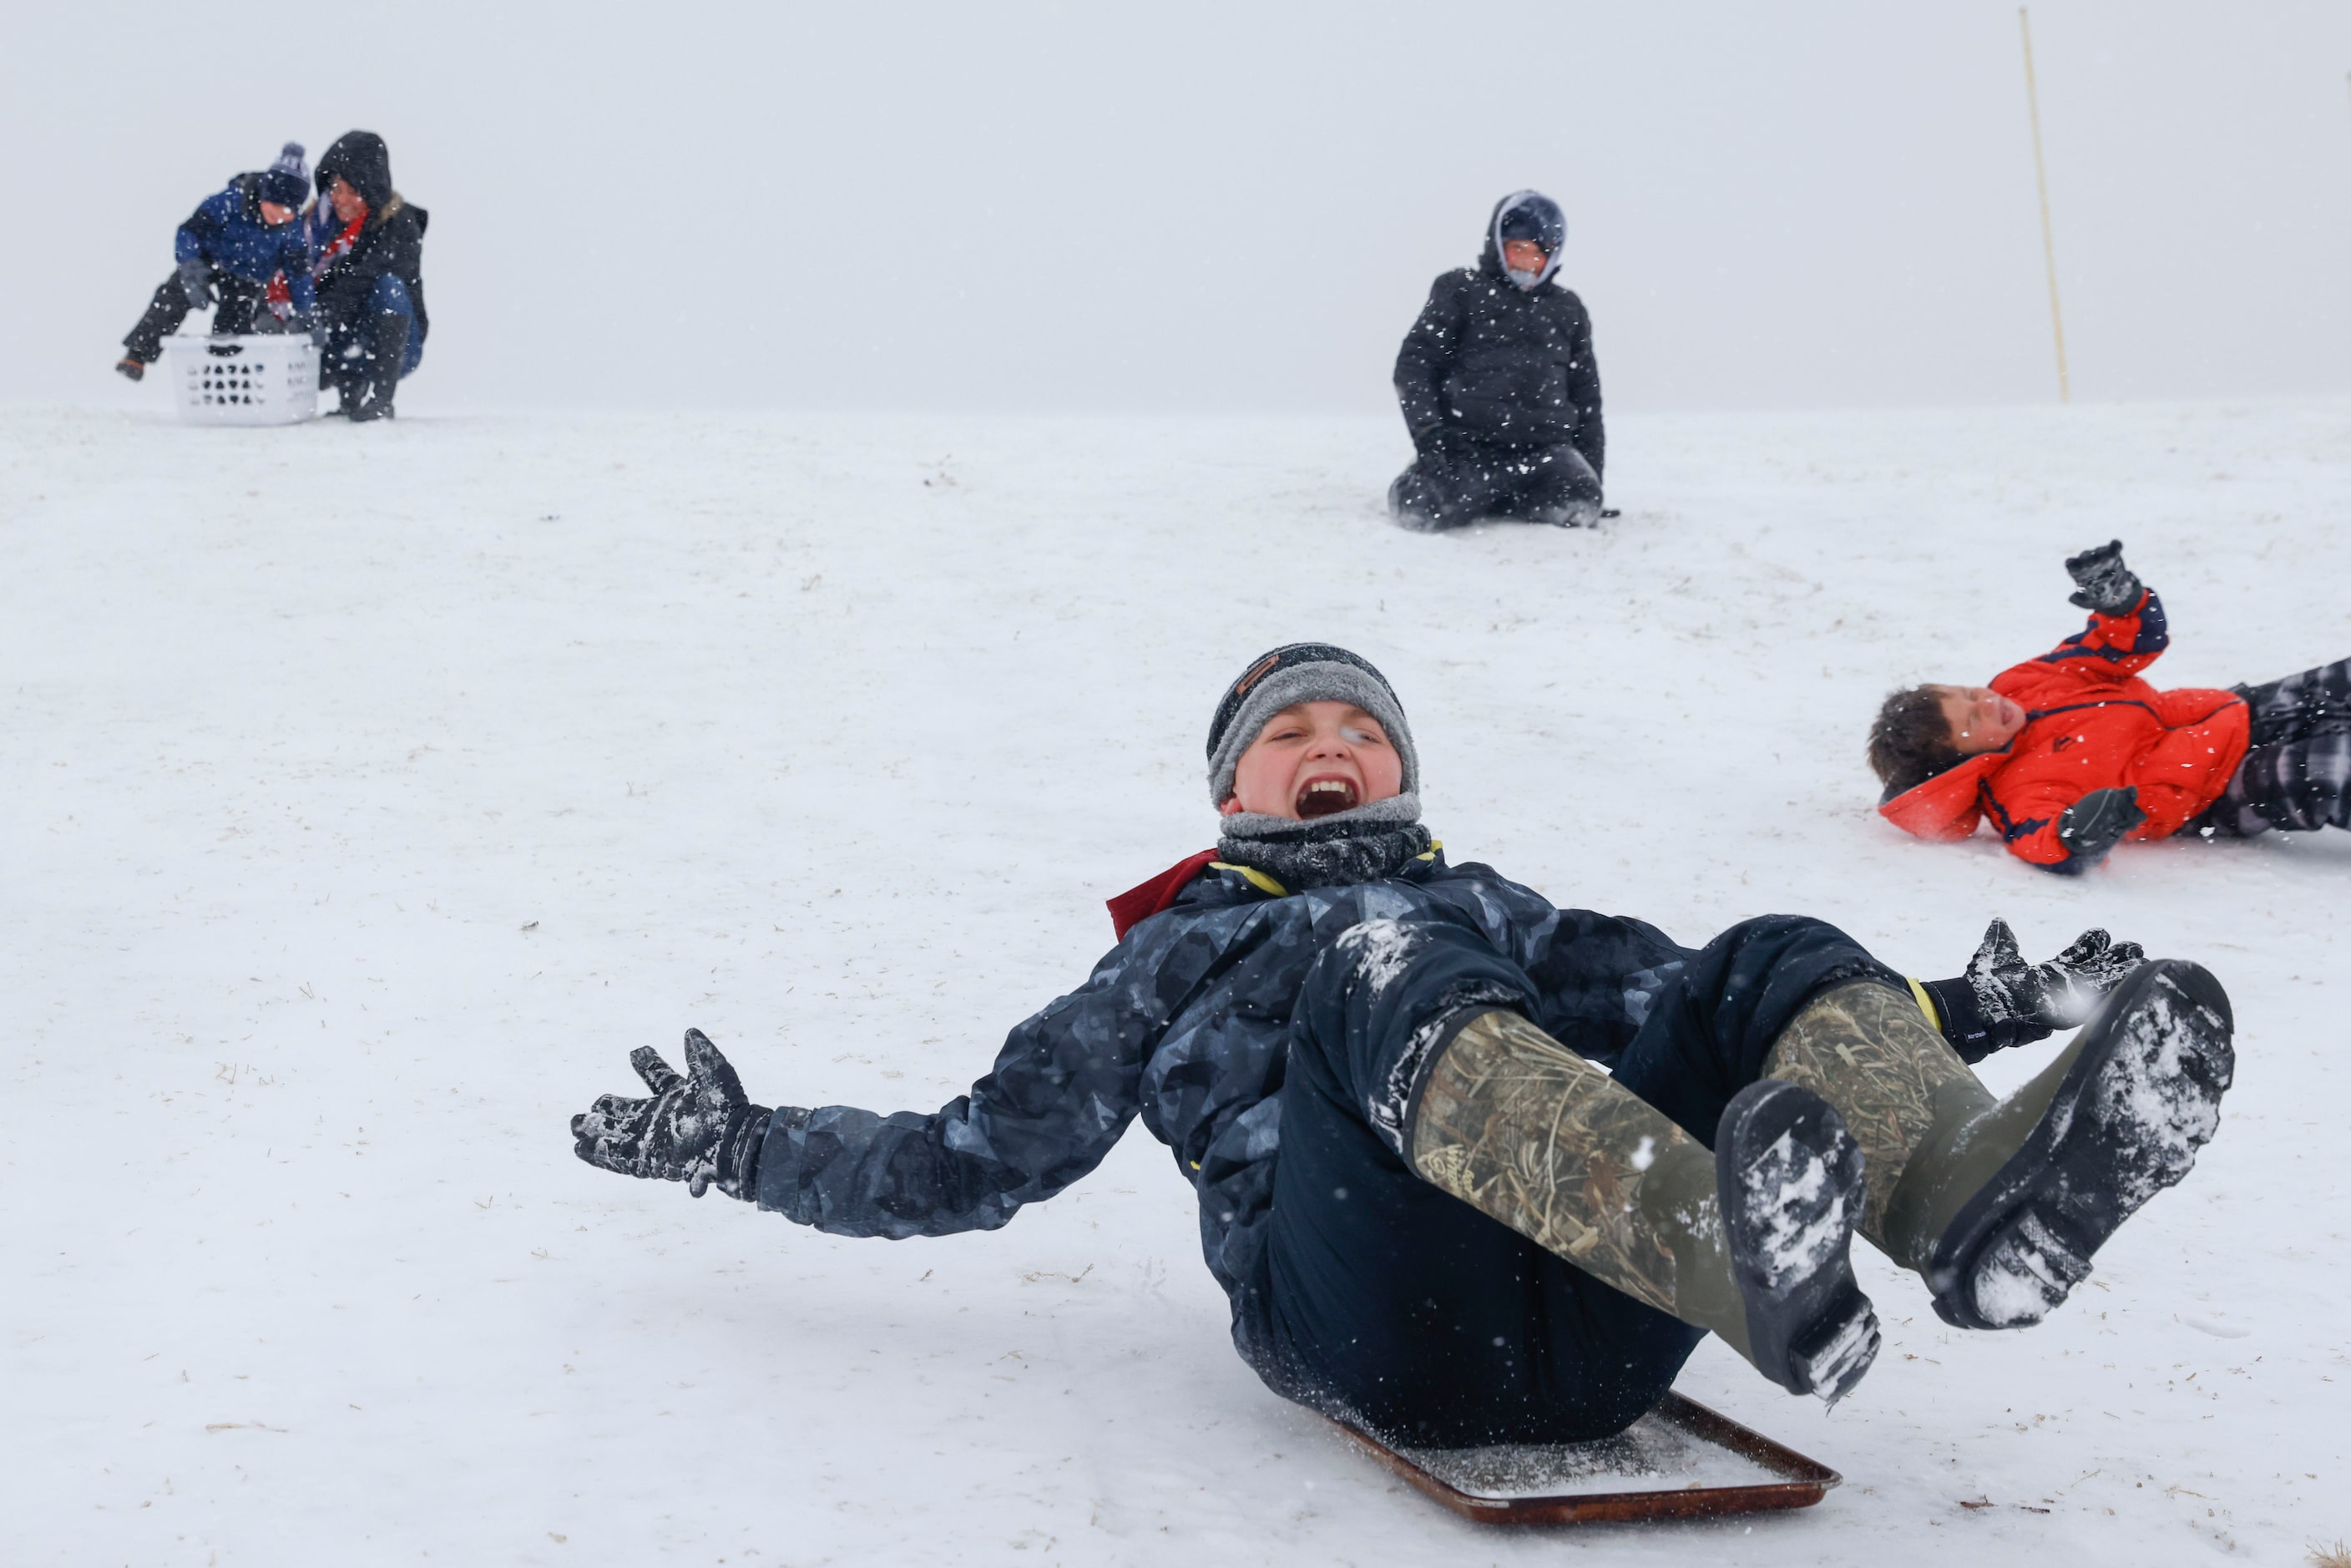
column 2096, row 823
column 699, row 1129
column 2059, row 994
column 196, row 282
column 2004, row 1001
column 2106, row 585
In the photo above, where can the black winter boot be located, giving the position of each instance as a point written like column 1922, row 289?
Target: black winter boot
column 2019, row 1197
column 380, row 377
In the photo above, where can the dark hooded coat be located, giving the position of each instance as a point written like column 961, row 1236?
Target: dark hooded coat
column 1499, row 367
column 392, row 239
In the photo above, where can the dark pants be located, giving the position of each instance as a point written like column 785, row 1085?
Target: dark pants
column 2297, row 774
column 1544, row 483
column 240, row 301
column 1403, row 1309
column 368, row 350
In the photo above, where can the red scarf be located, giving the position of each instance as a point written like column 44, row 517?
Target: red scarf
column 340, row 246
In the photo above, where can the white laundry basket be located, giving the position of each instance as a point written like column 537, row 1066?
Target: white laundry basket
column 261, row 380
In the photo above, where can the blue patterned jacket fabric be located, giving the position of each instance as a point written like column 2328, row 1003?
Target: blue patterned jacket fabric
column 1186, row 1024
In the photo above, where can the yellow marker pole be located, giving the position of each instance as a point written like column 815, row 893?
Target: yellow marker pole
column 2040, row 179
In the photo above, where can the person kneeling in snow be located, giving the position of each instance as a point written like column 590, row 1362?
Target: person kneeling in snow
column 1475, row 1169
column 370, row 269
column 243, row 246
column 1498, row 386
column 2070, row 753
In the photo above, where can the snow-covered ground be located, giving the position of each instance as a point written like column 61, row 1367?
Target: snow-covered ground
column 369, row 793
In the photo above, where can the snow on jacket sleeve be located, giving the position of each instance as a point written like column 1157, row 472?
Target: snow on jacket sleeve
column 1428, row 354
column 1062, row 1091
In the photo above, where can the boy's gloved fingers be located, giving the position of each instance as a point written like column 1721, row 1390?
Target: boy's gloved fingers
column 606, row 1135
column 659, row 1075
column 1998, row 954
column 710, row 1070
column 2093, row 558
column 2086, row 948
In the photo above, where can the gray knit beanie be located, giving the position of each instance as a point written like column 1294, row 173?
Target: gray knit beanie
column 1302, row 673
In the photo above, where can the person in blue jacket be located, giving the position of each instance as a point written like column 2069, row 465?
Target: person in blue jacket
column 1475, row 1168
column 243, row 248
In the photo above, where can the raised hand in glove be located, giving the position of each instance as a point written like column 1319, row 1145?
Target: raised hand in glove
column 196, row 283
column 700, row 1129
column 2105, row 583
column 2094, row 824
column 2004, row 1001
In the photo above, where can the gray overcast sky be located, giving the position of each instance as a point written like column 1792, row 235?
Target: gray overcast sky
column 1205, row 207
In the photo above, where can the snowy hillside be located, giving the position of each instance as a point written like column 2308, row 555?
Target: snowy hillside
column 371, row 792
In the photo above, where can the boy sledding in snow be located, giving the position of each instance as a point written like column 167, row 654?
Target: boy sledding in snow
column 243, row 247
column 370, row 241
column 1434, row 1213
column 2070, row 753
column 1498, row 386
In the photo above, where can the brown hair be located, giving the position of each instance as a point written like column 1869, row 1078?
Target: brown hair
column 1911, row 740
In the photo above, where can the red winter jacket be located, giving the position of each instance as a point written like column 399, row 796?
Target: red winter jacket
column 2091, row 724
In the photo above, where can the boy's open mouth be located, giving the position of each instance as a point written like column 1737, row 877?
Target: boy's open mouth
column 1323, row 797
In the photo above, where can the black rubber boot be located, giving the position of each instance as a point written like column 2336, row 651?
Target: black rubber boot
column 1789, row 1180
column 1749, row 1241
column 2019, row 1198
column 377, row 383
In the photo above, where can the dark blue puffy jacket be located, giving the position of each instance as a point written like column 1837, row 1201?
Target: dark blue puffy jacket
column 228, row 232
column 1186, row 1023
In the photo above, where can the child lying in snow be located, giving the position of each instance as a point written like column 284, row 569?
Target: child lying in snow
column 1434, row 1212
column 2071, row 752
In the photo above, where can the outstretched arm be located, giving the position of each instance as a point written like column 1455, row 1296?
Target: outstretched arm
column 1063, row 1089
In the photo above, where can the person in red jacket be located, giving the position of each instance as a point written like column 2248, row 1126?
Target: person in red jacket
column 2070, row 753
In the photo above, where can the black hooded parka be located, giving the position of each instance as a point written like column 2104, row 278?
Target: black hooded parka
column 1499, row 367
column 391, row 240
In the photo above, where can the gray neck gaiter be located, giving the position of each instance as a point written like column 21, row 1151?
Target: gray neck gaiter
column 1361, row 845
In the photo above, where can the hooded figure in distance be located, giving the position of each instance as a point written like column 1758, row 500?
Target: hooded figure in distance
column 369, row 241
column 1499, row 387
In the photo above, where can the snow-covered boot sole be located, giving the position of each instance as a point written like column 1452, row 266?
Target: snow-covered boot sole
column 1789, row 1180
column 2141, row 1096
